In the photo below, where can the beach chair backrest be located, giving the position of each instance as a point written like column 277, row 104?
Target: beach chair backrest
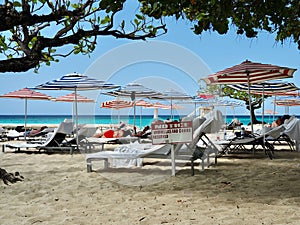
column 65, row 127
column 293, row 129
column 59, row 134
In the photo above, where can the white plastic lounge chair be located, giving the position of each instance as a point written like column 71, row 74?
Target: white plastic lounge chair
column 13, row 134
column 202, row 147
column 54, row 142
column 142, row 151
column 292, row 131
column 3, row 134
column 93, row 143
column 213, row 122
column 261, row 139
column 83, row 133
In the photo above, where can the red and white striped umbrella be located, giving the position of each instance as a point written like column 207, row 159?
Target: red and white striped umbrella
column 143, row 103
column 117, row 104
column 26, row 94
column 249, row 73
column 158, row 105
column 71, row 98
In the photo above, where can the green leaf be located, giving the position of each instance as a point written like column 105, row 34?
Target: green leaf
column 17, row 4
column 140, row 17
column 106, row 20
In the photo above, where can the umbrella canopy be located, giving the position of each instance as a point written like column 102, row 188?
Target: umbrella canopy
column 133, row 91
column 71, row 98
column 117, row 104
column 287, row 102
column 173, row 95
column 76, row 82
column 143, row 103
column 25, row 94
column 268, row 88
column 156, row 106
column 249, row 73
column 159, row 105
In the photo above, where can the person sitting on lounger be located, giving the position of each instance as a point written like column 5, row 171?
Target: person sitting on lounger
column 143, row 133
column 277, row 122
column 111, row 133
column 34, row 132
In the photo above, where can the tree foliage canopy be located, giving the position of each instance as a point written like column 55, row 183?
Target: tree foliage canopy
column 33, row 32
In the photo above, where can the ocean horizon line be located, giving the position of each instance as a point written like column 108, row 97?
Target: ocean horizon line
column 139, row 120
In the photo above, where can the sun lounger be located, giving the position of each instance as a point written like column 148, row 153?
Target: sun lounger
column 292, row 131
column 3, row 134
column 213, row 122
column 93, row 143
column 254, row 140
column 54, row 142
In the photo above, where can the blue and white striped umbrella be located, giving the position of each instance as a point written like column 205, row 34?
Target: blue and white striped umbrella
column 133, row 91
column 173, row 95
column 266, row 88
column 76, row 82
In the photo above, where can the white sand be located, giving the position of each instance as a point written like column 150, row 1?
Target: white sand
column 241, row 189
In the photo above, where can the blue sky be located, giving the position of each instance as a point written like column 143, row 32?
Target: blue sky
column 216, row 52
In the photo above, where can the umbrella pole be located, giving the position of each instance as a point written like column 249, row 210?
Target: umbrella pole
column 141, row 118
column 134, row 112
column 76, row 118
column 274, row 108
column 263, row 108
column 25, row 119
column 171, row 110
column 250, row 107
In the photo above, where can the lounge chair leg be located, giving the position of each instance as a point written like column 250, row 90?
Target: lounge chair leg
column 3, row 148
column 192, row 167
column 106, row 164
column 89, row 167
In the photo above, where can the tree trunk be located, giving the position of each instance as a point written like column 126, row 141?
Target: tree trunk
column 254, row 105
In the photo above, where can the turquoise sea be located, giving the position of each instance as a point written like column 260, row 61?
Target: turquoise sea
column 105, row 119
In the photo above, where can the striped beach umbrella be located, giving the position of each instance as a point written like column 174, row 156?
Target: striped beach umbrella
column 269, row 88
column 287, row 102
column 26, row 94
column 71, row 98
column 173, row 95
column 156, row 106
column 117, row 104
column 133, row 91
column 76, row 82
column 249, row 73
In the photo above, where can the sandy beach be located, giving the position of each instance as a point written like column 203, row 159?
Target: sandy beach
column 240, row 189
